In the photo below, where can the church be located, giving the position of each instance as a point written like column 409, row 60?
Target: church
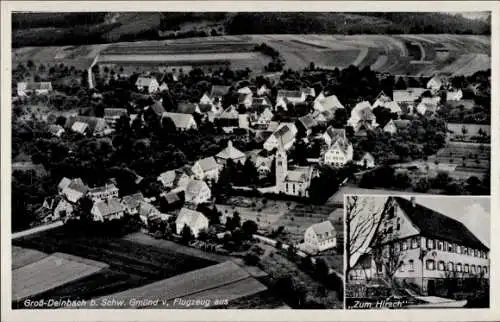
column 293, row 180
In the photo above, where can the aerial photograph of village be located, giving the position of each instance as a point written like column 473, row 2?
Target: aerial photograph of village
column 249, row 160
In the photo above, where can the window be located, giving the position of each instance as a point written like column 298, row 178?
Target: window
column 459, row 249
column 466, row 268
column 286, row 187
column 459, row 267
column 440, row 266
column 476, row 253
column 401, row 266
column 449, row 247
column 405, row 245
column 414, row 243
column 430, row 243
column 391, row 213
column 389, row 230
column 411, row 266
column 473, row 269
column 485, row 270
column 398, row 225
column 440, row 245
column 450, row 266
column 466, row 251
column 429, row 265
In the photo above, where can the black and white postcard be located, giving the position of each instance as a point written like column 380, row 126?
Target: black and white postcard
column 267, row 156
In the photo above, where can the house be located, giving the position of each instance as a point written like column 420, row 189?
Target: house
column 149, row 84
column 147, row 212
column 407, row 96
column 284, row 136
column 183, row 122
column 260, row 103
column 163, row 87
column 292, row 181
column 112, row 115
column 104, row 192
column 215, row 96
column 108, row 209
column 328, row 103
column 245, row 90
column 263, row 90
column 454, row 95
column 195, row 220
column 230, row 152
column 38, row 88
column 157, row 108
column 245, row 99
column 320, row 237
column 174, row 178
column 426, row 247
column 206, row 169
column 435, row 83
column 131, row 203
column 366, row 161
column 390, row 127
column 339, row 153
column 58, row 207
column 386, row 102
column 96, row 126
column 361, row 112
column 306, row 123
column 56, row 130
column 80, row 127
column 73, row 189
column 323, row 117
column 261, row 120
column 285, row 97
column 308, row 91
column 262, row 161
column 426, row 108
column 172, row 199
column 362, row 129
column 332, row 134
column 189, row 108
column 197, row 192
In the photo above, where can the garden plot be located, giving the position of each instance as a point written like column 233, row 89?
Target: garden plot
column 50, row 272
column 25, row 256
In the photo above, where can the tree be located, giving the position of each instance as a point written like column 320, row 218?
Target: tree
column 249, row 227
column 402, row 180
column 291, row 252
column 83, row 209
column 322, row 268
column 279, row 244
column 293, row 292
column 186, row 234
column 388, row 257
column 422, row 185
column 251, row 259
column 360, row 221
column 441, row 180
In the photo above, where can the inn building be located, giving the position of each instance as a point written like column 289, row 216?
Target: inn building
column 428, row 248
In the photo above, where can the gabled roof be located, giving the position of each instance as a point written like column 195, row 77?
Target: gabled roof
column 284, row 135
column 78, row 185
column 133, row 200
column 289, row 94
column 146, row 209
column 191, row 218
column 95, row 124
column 167, row 176
column 186, row 108
column 64, row 183
column 407, row 95
column 260, row 101
column 242, row 97
column 109, row 207
column 331, row 102
column 55, row 129
column 230, row 152
column 308, row 121
column 181, row 120
column 157, row 108
column 219, row 90
column 245, row 90
column 434, row 224
column 144, row 81
column 111, row 112
column 308, row 91
column 401, row 123
column 368, row 156
column 366, row 114
column 340, row 143
column 106, row 187
column 34, row 86
column 362, row 106
column 205, row 108
column 334, row 133
column 194, row 187
column 320, row 229
column 79, row 127
column 208, row 164
column 229, row 113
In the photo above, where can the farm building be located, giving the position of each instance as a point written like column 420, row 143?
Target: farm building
column 38, row 88
column 73, row 189
column 230, row 153
column 206, row 169
column 148, row 84
column 195, row 220
column 260, row 103
column 132, row 202
column 284, row 136
column 324, row 117
column 361, row 112
column 107, row 209
column 407, row 96
column 320, row 237
column 306, row 123
column 197, row 192
column 182, row 121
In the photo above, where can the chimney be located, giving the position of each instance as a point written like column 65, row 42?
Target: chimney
column 412, row 199
column 229, row 144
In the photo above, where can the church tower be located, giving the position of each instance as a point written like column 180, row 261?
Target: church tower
column 281, row 167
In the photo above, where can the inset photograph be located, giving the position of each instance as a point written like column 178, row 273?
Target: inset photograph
column 405, row 252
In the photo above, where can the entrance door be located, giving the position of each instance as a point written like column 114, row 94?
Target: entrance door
column 431, row 288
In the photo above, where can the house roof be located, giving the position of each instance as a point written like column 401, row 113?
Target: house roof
column 289, row 94
column 110, row 112
column 181, row 120
column 109, row 206
column 298, row 174
column 308, row 91
column 334, row 133
column 320, row 229
column 366, row 114
column 341, row 143
column 407, row 95
column 194, row 187
column 308, row 121
column 245, row 90
column 219, row 90
column 466, row 103
column 230, row 152
column 208, row 164
column 259, row 101
column 144, row 81
column 158, row 108
column 186, row 108
column 172, row 197
column 434, row 224
column 262, row 136
column 146, row 209
column 55, row 129
column 331, row 102
column 34, row 86
column 362, row 106
column 367, row 156
column 229, row 113
column 106, row 187
column 133, row 200
column 167, row 176
column 401, row 123
column 191, row 218
column 205, row 108
column 95, row 124
column 242, row 97
column 284, row 135
column 64, row 183
column 79, row 127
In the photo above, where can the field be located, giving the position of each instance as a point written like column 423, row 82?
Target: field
column 222, row 281
column 271, row 214
column 472, row 129
column 130, row 264
column 466, row 54
column 469, row 158
column 25, row 256
column 50, row 272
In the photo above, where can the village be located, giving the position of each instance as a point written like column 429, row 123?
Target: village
column 253, row 163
